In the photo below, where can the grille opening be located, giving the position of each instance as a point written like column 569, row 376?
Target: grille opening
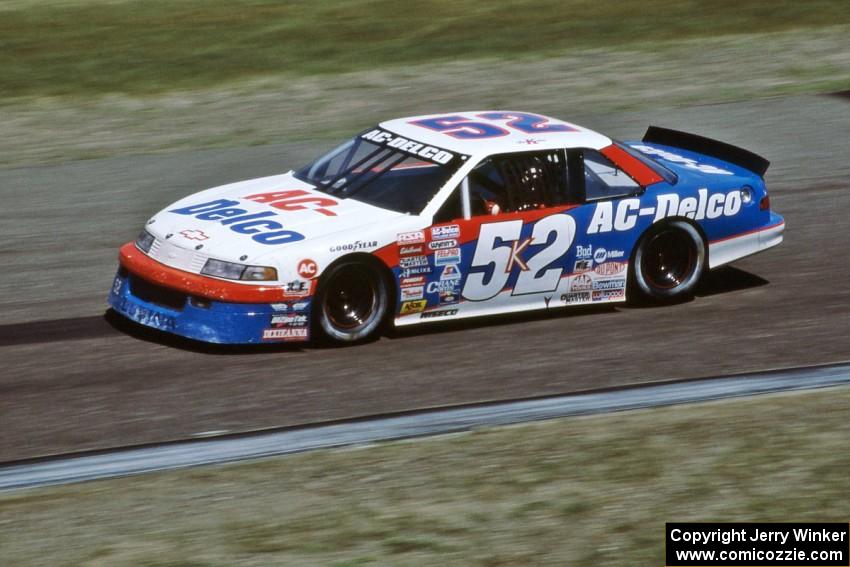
column 122, row 271
column 201, row 302
column 158, row 295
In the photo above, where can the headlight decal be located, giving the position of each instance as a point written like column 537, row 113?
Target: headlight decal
column 235, row 271
column 222, row 269
column 144, row 241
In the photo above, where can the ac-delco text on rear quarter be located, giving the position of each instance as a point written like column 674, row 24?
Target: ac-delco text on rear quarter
column 441, row 217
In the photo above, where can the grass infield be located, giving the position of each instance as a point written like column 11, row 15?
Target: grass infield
column 84, row 47
column 580, row 491
column 82, row 79
column 274, row 109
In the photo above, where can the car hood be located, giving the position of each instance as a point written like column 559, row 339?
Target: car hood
column 250, row 221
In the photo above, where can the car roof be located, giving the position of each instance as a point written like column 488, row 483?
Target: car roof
column 522, row 136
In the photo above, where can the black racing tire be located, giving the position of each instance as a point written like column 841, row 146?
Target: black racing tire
column 351, row 303
column 669, row 261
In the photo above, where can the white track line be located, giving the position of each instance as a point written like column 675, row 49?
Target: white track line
column 124, row 462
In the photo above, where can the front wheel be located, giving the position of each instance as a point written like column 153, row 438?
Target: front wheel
column 352, row 302
column 669, row 261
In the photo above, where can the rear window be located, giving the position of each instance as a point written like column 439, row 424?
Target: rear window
column 668, row 175
column 603, row 179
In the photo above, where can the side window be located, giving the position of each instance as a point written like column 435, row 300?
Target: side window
column 452, row 209
column 603, row 179
column 518, row 182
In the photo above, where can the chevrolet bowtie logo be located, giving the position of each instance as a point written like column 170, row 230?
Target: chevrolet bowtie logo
column 194, row 234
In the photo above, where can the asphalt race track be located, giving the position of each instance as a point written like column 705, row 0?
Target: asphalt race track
column 72, row 379
column 80, row 467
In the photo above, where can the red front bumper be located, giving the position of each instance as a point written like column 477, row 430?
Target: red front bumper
column 140, row 264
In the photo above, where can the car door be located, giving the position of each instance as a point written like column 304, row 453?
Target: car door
column 519, row 234
column 501, row 241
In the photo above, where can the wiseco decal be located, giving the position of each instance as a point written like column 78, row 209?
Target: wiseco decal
column 259, row 225
column 605, row 219
column 296, row 200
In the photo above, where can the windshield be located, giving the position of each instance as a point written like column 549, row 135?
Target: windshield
column 383, row 169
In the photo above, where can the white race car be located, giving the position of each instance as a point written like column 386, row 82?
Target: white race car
column 442, row 217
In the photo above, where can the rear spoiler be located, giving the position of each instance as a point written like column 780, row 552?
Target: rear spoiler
column 707, row 146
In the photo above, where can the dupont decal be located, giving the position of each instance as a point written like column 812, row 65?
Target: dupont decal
column 260, row 225
column 681, row 160
column 411, row 147
column 610, row 268
column 446, row 231
column 625, row 217
column 286, row 334
column 414, row 237
column 296, row 200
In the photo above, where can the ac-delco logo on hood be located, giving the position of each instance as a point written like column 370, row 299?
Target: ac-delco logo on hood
column 260, row 226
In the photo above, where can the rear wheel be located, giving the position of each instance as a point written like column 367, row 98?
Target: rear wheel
column 352, row 302
column 669, row 261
